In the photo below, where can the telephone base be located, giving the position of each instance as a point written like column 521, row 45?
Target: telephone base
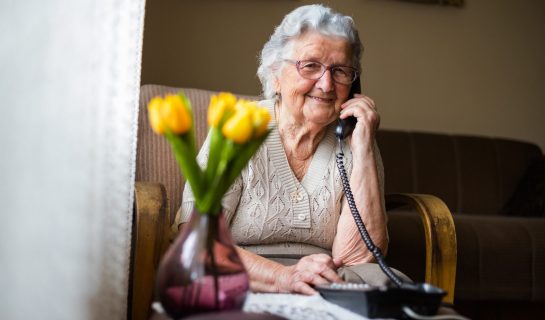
column 383, row 302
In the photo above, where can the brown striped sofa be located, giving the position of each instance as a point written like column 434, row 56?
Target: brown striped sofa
column 501, row 236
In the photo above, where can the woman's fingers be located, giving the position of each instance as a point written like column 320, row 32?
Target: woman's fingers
column 312, row 270
column 326, row 268
column 369, row 101
column 331, row 276
column 360, row 102
column 363, row 108
column 320, row 269
column 309, row 271
column 304, row 288
column 314, row 278
column 323, row 259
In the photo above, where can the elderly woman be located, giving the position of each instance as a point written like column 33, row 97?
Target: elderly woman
column 287, row 211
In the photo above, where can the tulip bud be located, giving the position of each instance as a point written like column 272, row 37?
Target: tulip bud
column 243, row 104
column 261, row 118
column 154, row 115
column 176, row 114
column 239, row 127
column 220, row 105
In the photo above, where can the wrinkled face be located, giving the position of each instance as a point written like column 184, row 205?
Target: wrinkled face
column 316, row 101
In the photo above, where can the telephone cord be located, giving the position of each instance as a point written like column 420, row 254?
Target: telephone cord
column 359, row 223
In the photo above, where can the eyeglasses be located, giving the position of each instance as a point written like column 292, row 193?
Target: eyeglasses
column 314, row 70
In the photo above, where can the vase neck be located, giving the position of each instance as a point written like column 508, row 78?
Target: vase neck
column 214, row 224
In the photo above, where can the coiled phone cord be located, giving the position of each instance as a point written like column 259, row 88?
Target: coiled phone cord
column 359, row 223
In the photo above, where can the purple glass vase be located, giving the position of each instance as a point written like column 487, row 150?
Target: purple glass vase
column 201, row 271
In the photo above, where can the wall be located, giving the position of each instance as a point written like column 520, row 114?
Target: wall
column 474, row 70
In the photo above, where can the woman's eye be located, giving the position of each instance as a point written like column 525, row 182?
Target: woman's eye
column 341, row 72
column 311, row 66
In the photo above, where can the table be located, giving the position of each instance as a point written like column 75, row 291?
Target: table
column 289, row 306
column 292, row 307
column 297, row 307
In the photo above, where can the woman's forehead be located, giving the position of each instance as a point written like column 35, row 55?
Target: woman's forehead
column 316, row 46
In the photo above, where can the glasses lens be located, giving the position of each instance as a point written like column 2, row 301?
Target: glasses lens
column 344, row 75
column 310, row 69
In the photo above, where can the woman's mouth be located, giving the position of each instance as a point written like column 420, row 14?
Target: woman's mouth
column 321, row 99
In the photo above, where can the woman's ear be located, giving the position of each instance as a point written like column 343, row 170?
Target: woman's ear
column 276, row 84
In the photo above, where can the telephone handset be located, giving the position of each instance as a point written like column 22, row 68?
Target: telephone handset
column 376, row 302
column 346, row 126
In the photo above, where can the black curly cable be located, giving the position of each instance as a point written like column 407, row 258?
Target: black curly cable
column 359, row 223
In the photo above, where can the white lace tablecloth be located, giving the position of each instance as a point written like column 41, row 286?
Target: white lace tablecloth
column 297, row 307
column 292, row 307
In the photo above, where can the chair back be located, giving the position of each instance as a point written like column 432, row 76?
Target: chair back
column 155, row 161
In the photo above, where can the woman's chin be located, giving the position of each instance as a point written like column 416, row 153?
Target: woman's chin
column 321, row 121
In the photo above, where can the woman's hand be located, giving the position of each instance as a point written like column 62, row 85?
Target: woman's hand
column 364, row 109
column 314, row 269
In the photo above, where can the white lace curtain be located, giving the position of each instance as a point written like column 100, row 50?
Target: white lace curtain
column 69, row 81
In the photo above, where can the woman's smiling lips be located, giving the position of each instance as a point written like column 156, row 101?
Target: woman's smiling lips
column 321, row 99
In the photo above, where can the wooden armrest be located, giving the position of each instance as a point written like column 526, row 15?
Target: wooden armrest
column 440, row 238
column 150, row 239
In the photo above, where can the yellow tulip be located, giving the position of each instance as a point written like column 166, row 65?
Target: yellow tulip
column 176, row 115
column 239, row 127
column 261, row 118
column 220, row 105
column 154, row 115
column 247, row 105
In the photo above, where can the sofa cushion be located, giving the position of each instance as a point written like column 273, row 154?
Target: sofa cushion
column 528, row 199
column 499, row 258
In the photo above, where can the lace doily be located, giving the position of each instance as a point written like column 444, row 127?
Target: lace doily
column 297, row 307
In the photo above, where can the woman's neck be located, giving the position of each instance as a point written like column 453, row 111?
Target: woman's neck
column 299, row 140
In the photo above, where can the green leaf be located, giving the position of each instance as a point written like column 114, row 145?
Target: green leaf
column 217, row 142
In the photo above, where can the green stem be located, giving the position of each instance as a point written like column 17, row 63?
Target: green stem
column 186, row 159
column 234, row 159
column 215, row 189
column 213, row 235
column 216, row 145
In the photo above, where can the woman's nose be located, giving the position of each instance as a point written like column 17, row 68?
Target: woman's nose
column 325, row 82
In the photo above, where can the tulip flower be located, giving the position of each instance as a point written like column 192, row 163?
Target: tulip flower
column 176, row 114
column 243, row 104
column 239, row 127
column 221, row 106
column 261, row 118
column 154, row 114
column 171, row 113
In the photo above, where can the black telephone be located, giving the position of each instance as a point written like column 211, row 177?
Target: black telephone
column 396, row 302
column 346, row 126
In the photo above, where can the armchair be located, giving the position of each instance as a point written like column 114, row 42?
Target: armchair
column 158, row 192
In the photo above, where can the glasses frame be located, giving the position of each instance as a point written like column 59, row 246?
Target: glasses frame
column 325, row 68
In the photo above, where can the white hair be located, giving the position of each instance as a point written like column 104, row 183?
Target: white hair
column 311, row 17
